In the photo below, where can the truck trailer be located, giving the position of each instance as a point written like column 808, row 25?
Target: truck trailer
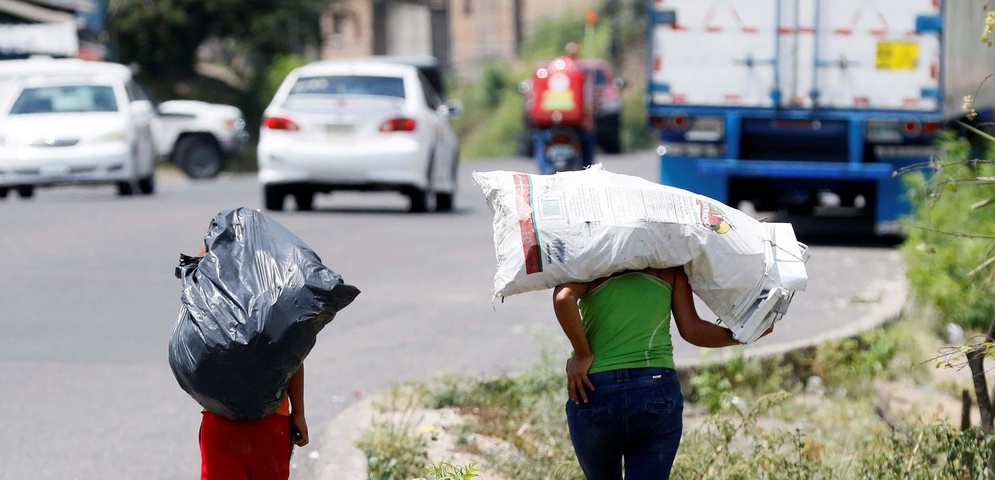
column 812, row 107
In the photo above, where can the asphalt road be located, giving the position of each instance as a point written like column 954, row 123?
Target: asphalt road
column 88, row 301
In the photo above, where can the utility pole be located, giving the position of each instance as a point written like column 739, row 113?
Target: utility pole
column 439, row 14
column 380, row 26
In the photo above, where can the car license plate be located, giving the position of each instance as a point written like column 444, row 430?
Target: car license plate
column 338, row 129
column 53, row 170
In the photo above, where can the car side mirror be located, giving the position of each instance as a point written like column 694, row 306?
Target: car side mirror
column 619, row 83
column 524, row 87
column 143, row 106
column 452, row 108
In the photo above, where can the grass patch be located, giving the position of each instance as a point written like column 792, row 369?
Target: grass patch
column 871, row 407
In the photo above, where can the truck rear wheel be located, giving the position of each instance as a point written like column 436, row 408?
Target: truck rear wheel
column 199, row 156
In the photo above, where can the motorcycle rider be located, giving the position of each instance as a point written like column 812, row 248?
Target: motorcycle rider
column 584, row 126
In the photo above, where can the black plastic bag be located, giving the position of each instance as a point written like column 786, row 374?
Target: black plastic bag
column 250, row 312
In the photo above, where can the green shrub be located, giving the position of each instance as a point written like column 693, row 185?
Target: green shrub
column 393, row 450
column 950, row 235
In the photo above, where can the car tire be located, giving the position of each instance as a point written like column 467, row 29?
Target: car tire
column 3, row 192
column 273, row 197
column 421, row 200
column 199, row 157
column 125, row 189
column 26, row 191
column 304, row 200
column 607, row 134
column 146, row 185
column 611, row 143
column 444, row 201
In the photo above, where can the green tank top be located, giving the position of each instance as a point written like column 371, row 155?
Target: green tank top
column 627, row 321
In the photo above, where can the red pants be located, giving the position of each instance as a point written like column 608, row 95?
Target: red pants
column 244, row 449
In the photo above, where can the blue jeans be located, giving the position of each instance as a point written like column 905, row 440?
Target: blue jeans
column 632, row 414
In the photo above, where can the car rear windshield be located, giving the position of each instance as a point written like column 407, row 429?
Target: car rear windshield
column 65, row 99
column 349, row 85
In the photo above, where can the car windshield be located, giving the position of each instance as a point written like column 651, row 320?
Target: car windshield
column 349, row 85
column 65, row 99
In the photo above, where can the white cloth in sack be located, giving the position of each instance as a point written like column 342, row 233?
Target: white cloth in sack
column 579, row 226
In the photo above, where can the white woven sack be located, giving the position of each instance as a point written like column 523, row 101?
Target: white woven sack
column 578, row 226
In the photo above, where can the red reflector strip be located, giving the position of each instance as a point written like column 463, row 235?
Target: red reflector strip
column 934, row 71
column 911, row 102
column 861, row 101
column 657, row 63
column 732, row 98
column 806, row 30
column 530, row 245
column 711, row 29
column 679, row 98
column 750, row 29
column 843, row 31
column 879, row 32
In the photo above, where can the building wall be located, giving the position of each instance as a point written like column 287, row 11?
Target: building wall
column 481, row 31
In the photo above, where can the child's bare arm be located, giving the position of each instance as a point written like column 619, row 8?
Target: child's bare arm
column 295, row 392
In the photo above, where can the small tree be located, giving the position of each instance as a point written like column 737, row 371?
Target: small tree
column 950, row 254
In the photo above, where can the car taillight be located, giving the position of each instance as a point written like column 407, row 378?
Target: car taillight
column 398, row 125
column 280, row 123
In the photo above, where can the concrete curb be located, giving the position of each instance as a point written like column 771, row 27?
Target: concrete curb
column 341, row 460
column 893, row 298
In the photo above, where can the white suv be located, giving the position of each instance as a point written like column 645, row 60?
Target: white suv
column 199, row 137
column 367, row 125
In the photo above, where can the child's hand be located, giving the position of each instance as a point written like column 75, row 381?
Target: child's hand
column 298, row 429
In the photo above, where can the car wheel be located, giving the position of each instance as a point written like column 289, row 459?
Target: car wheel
column 125, row 189
column 273, row 197
column 421, row 200
column 611, row 143
column 305, row 200
column 199, row 157
column 146, row 185
column 3, row 193
column 444, row 201
column 607, row 130
column 26, row 191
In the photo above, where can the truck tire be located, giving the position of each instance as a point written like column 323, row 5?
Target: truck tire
column 199, row 156
column 273, row 196
column 26, row 191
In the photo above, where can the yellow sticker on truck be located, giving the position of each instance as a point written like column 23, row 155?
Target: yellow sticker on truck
column 898, row 55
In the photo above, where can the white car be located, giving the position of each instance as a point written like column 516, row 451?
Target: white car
column 87, row 124
column 199, row 136
column 365, row 125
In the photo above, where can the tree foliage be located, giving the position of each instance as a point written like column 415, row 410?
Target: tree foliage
column 163, row 35
column 950, row 236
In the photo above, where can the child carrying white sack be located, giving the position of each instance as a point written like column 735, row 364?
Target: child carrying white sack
column 579, row 226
